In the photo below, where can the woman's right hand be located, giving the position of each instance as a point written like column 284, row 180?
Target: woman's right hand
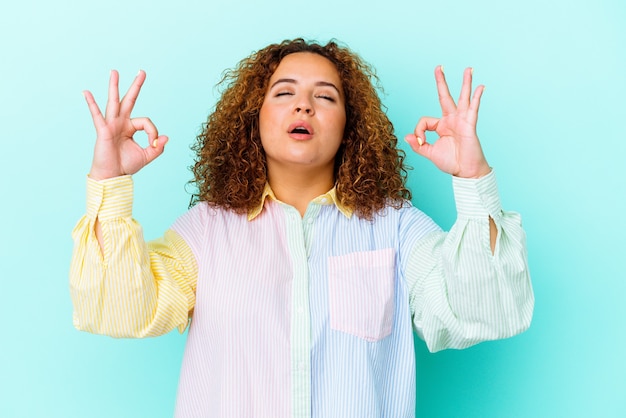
column 116, row 153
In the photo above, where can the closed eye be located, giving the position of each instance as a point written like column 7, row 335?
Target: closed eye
column 329, row 98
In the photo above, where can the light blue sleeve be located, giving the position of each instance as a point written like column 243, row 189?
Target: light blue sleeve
column 460, row 293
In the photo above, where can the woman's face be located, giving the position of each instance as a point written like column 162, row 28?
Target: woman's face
column 303, row 115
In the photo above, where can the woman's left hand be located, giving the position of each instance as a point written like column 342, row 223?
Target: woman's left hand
column 457, row 151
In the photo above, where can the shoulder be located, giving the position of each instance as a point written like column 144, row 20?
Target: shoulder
column 203, row 213
column 411, row 220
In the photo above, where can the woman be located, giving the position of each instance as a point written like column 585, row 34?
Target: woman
column 302, row 264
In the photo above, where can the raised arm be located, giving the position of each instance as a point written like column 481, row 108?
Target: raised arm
column 462, row 293
column 120, row 285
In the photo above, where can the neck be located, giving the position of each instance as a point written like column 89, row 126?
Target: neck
column 299, row 188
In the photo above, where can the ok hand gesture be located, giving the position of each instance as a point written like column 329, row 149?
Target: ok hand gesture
column 457, row 151
column 116, row 153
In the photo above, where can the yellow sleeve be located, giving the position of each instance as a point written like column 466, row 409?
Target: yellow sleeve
column 130, row 288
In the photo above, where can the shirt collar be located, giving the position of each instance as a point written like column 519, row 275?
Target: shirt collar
column 328, row 198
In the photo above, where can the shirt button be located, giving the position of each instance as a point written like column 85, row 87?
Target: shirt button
column 309, row 221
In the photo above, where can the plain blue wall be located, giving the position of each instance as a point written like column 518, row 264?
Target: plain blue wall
column 552, row 123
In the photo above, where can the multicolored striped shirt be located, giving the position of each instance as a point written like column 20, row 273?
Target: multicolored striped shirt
column 302, row 316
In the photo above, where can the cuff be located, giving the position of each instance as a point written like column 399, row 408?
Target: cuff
column 109, row 199
column 477, row 198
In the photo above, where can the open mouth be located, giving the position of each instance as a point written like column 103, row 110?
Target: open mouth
column 300, row 130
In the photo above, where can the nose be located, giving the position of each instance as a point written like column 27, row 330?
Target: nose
column 304, row 105
column 306, row 110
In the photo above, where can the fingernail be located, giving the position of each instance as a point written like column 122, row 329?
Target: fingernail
column 441, row 68
column 154, row 143
column 471, row 71
column 420, row 141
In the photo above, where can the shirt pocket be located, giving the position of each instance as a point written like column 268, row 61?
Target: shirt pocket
column 361, row 293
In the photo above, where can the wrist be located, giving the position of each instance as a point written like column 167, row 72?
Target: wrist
column 482, row 172
column 99, row 174
column 477, row 173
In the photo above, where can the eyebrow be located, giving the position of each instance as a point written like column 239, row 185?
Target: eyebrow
column 293, row 81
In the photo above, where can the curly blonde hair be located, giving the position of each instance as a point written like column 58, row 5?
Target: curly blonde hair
column 230, row 169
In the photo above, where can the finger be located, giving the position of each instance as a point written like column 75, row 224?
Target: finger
column 113, row 101
column 146, row 125
column 475, row 103
column 423, row 125
column 466, row 89
column 96, row 114
column 156, row 148
column 129, row 100
column 418, row 145
column 445, row 99
column 414, row 141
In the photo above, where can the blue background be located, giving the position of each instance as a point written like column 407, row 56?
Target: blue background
column 551, row 123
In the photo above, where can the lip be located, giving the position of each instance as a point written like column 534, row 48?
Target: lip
column 300, row 136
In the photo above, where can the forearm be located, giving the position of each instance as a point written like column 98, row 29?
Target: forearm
column 472, row 284
column 120, row 285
